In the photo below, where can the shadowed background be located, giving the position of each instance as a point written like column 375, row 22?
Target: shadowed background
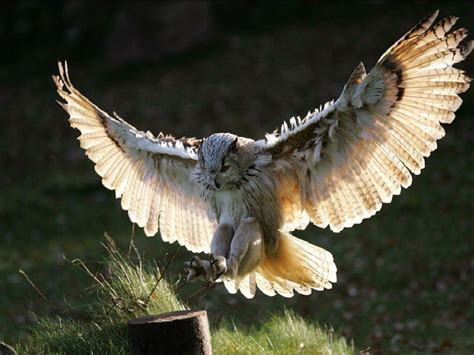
column 192, row 69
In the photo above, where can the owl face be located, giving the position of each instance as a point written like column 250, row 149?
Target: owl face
column 219, row 167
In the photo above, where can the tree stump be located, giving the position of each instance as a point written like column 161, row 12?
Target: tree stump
column 180, row 332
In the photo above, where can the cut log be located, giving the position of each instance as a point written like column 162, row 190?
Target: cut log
column 180, row 332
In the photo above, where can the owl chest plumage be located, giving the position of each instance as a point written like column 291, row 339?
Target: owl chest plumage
column 230, row 206
column 255, row 198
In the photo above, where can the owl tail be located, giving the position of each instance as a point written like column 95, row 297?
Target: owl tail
column 295, row 266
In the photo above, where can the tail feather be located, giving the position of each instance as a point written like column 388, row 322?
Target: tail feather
column 295, row 266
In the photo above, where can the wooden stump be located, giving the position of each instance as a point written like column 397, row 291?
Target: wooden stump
column 180, row 332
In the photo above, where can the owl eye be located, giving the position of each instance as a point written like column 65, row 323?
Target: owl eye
column 225, row 168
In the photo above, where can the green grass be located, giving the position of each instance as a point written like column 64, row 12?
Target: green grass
column 282, row 334
column 127, row 289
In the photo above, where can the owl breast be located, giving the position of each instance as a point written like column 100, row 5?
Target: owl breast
column 230, row 206
column 257, row 198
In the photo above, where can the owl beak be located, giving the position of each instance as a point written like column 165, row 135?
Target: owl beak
column 216, row 184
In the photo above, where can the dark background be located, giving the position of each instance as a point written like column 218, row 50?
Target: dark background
column 191, row 69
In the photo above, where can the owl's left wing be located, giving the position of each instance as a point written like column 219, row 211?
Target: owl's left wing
column 152, row 175
column 339, row 164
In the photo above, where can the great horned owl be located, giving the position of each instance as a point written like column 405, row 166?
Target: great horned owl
column 239, row 199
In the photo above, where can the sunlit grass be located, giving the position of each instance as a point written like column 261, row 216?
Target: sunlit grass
column 128, row 288
column 124, row 289
column 282, row 334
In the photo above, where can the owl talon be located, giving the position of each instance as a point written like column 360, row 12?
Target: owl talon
column 197, row 269
column 192, row 275
column 219, row 265
column 208, row 270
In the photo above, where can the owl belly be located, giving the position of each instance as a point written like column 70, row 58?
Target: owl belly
column 230, row 206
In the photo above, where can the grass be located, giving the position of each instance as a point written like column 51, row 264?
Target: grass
column 127, row 289
column 286, row 333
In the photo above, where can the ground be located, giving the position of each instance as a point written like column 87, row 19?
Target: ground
column 404, row 276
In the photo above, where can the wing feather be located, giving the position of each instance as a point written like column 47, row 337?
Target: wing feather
column 152, row 175
column 358, row 151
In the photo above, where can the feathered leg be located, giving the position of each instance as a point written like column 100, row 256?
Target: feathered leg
column 221, row 240
column 232, row 254
column 246, row 249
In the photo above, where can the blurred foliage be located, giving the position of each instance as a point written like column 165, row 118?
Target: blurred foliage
column 39, row 30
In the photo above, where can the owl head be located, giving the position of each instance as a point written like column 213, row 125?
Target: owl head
column 222, row 162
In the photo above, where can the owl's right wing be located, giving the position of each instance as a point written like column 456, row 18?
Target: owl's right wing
column 151, row 175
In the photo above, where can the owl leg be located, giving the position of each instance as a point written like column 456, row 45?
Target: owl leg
column 220, row 246
column 246, row 249
column 211, row 270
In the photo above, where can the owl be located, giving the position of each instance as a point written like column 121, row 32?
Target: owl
column 238, row 199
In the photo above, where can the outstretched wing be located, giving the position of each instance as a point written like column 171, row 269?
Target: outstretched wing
column 152, row 175
column 354, row 154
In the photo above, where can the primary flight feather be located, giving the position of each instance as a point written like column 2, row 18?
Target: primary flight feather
column 239, row 199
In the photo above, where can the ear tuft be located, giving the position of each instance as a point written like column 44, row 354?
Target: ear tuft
column 233, row 146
